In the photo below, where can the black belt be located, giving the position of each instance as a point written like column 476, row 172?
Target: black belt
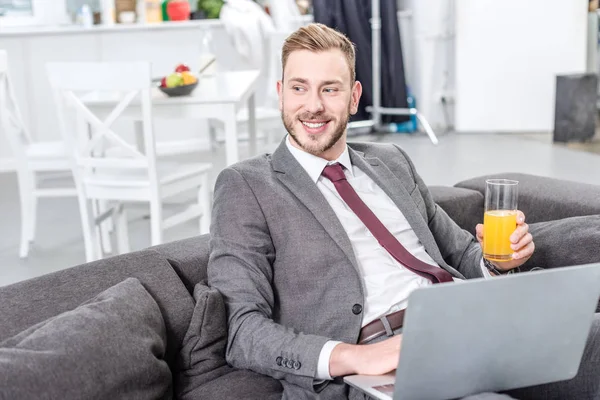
column 376, row 328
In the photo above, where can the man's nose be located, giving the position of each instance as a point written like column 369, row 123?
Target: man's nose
column 315, row 104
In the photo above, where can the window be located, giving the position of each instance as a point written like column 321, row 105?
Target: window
column 16, row 7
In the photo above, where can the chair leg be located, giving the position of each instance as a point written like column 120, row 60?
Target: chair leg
column 156, row 221
column 26, row 199
column 106, row 228
column 205, row 205
column 121, row 229
column 212, row 133
column 103, row 228
column 33, row 217
column 92, row 249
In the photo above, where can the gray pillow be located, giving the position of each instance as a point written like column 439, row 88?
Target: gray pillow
column 203, row 371
column 202, row 355
column 110, row 347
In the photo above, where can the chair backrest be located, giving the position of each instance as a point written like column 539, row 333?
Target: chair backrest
column 90, row 97
column 11, row 120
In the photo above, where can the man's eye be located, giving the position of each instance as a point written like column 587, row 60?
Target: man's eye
column 330, row 90
column 298, row 89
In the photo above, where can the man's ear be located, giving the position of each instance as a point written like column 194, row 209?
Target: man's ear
column 356, row 93
column 280, row 94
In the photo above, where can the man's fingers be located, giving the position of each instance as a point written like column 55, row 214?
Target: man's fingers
column 525, row 240
column 525, row 252
column 520, row 217
column 479, row 230
column 519, row 233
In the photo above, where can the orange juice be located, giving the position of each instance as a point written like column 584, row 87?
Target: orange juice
column 498, row 225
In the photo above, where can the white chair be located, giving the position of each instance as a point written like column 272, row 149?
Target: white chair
column 106, row 167
column 34, row 160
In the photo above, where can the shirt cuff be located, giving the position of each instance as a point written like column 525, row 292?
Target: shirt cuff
column 486, row 272
column 324, row 356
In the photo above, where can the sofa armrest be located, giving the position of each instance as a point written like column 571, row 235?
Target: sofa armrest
column 464, row 206
column 565, row 242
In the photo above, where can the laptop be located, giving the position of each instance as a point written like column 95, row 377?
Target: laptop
column 490, row 335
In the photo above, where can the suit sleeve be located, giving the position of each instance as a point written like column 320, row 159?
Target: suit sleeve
column 241, row 268
column 459, row 248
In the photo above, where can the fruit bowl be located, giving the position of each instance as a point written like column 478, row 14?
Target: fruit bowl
column 182, row 82
column 184, row 90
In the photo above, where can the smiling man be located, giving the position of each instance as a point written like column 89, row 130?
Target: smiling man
column 317, row 96
column 311, row 294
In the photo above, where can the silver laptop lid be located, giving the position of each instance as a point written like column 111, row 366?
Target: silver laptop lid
column 496, row 334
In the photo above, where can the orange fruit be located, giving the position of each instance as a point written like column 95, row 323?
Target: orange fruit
column 188, row 78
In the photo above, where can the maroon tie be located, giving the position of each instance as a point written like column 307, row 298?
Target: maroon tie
column 335, row 174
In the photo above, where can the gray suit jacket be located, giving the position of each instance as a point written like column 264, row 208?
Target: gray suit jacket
column 285, row 266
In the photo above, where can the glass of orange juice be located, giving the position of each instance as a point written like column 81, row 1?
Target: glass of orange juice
column 500, row 218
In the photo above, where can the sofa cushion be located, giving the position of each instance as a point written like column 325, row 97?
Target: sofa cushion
column 464, row 206
column 239, row 384
column 110, row 347
column 566, row 242
column 546, row 199
column 202, row 356
column 29, row 302
column 203, row 371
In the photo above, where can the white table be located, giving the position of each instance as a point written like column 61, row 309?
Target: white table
column 219, row 97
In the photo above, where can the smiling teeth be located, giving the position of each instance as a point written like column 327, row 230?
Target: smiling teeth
column 313, row 126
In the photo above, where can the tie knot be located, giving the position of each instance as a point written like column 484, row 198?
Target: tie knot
column 334, row 172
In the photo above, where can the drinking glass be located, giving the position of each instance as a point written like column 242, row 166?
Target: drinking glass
column 500, row 218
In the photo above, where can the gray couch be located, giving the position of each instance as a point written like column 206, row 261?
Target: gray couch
column 142, row 325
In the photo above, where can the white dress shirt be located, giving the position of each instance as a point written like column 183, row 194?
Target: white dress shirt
column 386, row 282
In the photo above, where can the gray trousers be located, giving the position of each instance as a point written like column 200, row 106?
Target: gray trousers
column 585, row 385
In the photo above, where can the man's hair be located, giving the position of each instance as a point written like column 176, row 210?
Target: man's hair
column 316, row 38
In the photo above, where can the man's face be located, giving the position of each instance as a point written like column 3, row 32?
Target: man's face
column 316, row 99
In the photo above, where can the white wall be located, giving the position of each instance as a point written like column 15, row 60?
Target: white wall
column 508, row 54
column 429, row 56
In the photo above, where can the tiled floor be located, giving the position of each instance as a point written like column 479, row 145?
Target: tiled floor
column 458, row 156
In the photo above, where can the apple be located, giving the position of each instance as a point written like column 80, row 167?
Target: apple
column 182, row 68
column 174, row 80
column 163, row 82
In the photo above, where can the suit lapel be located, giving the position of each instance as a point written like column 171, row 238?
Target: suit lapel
column 391, row 185
column 291, row 174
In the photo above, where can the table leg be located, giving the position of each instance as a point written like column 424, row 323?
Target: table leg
column 252, row 124
column 231, row 136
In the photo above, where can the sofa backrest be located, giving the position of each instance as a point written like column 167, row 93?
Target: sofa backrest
column 27, row 303
column 546, row 199
column 189, row 259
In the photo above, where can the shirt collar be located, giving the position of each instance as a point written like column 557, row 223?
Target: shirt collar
column 314, row 165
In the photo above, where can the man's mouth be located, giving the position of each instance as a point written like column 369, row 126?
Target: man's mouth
column 313, row 125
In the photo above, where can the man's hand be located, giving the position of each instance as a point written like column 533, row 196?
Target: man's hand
column 368, row 359
column 522, row 244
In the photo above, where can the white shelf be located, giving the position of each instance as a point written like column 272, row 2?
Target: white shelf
column 76, row 29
